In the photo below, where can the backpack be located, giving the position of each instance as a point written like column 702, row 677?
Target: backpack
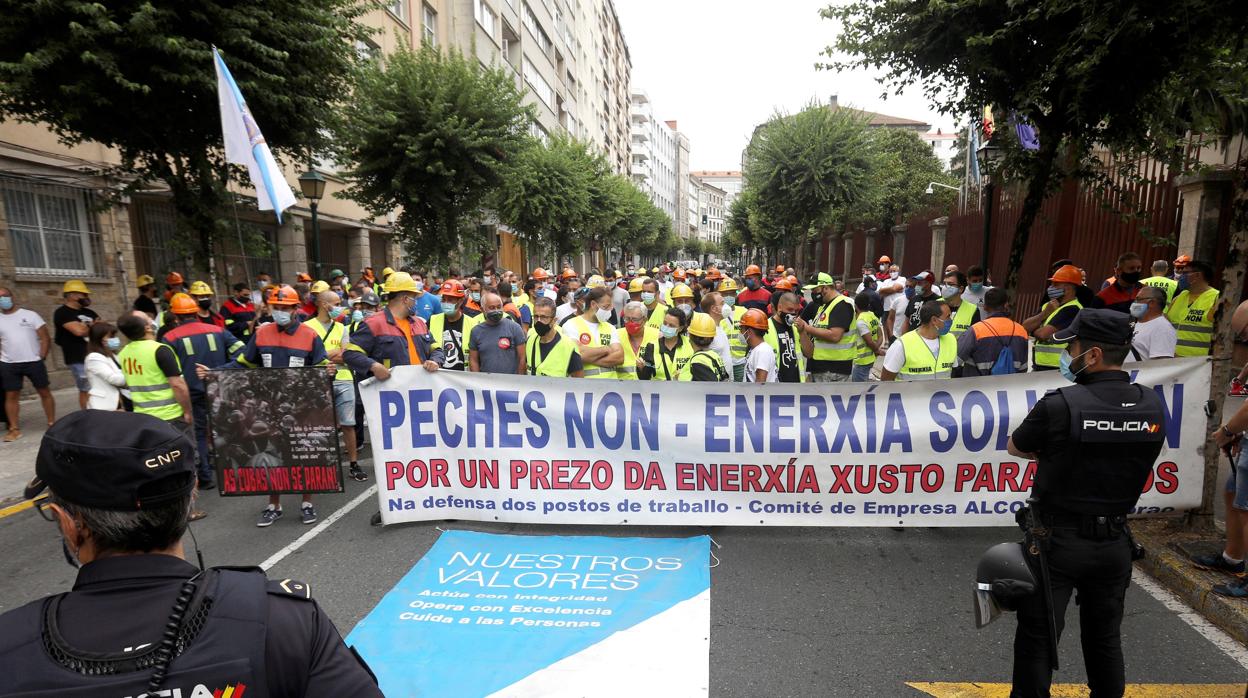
column 1004, row 365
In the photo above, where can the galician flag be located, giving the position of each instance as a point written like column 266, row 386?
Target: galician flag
column 244, row 144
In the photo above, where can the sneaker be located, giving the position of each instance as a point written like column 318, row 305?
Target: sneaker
column 1238, row 389
column 357, row 473
column 268, row 516
column 208, row 484
column 1237, row 589
column 307, row 514
column 1217, row 562
column 197, row 515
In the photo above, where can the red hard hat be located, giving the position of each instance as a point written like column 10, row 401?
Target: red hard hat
column 452, row 289
column 173, row 278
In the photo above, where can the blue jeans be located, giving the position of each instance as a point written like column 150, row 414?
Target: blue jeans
column 861, row 374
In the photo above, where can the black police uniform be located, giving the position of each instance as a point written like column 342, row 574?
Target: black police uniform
column 132, row 620
column 1096, row 443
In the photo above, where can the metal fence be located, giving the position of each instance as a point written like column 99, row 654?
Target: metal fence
column 52, row 228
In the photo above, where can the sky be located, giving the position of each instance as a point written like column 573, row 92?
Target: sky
column 721, row 67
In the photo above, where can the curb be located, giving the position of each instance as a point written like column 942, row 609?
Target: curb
column 1167, row 562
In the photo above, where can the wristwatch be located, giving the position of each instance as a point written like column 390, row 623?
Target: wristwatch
column 1229, row 434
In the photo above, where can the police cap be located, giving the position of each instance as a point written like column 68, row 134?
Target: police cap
column 118, row 461
column 1097, row 325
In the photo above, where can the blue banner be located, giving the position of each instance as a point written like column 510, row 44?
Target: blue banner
column 483, row 614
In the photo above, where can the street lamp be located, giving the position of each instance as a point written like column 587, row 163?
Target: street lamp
column 312, row 184
column 989, row 157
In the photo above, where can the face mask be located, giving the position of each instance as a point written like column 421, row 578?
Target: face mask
column 336, row 312
column 261, row 283
column 541, row 328
column 909, row 292
column 686, row 309
column 894, row 274
column 485, row 280
column 357, row 315
column 745, row 338
column 205, row 303
column 6, row 302
column 602, row 315
column 668, row 331
column 113, row 343
column 1138, row 310
column 281, row 317
column 647, row 297
column 475, row 296
column 883, row 267
column 1054, row 292
column 369, row 313
column 70, row 558
column 449, row 308
column 751, row 284
column 944, row 329
column 494, row 317
column 730, row 301
column 949, row 292
column 977, row 287
column 84, row 301
column 243, row 300
column 1184, row 283
column 1065, row 365
column 1130, row 277
column 633, row 327
column 788, row 319
column 420, row 285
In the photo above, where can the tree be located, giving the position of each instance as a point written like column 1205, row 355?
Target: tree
column 905, row 168
column 545, row 195
column 801, row 168
column 1118, row 74
column 138, row 76
column 430, row 135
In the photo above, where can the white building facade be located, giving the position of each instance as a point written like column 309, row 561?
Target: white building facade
column 655, row 157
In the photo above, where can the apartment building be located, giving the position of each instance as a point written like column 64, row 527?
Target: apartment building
column 711, row 210
column 727, row 180
column 654, row 156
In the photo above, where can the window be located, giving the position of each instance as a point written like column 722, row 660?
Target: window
column 367, row 50
column 398, row 8
column 486, row 17
column 429, row 23
column 535, row 28
column 538, row 84
column 49, row 229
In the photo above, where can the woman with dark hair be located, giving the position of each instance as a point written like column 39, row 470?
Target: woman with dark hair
column 103, row 373
column 667, row 356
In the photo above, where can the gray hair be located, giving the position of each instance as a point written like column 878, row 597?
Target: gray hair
column 544, row 302
column 157, row 527
column 637, row 306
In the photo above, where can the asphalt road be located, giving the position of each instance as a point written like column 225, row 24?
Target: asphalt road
column 794, row 611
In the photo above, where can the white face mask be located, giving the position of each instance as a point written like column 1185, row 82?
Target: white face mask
column 602, row 314
column 893, row 274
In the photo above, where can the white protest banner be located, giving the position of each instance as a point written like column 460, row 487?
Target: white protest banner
column 488, row 447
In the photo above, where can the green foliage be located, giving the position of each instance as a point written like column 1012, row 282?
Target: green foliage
column 138, row 76
column 545, row 195
column 432, row 135
column 906, row 165
column 802, row 167
column 1134, row 77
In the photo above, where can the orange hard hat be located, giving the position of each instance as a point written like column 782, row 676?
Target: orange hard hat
column 753, row 270
column 1068, row 274
column 176, row 278
column 754, row 318
column 304, row 278
column 714, row 274
column 679, row 274
column 451, row 289
column 568, row 274
column 792, row 280
column 183, row 304
column 883, row 260
column 539, row 274
column 283, row 295
column 1182, row 260
column 779, row 268
column 784, row 285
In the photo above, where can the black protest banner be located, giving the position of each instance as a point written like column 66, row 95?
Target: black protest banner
column 274, row 431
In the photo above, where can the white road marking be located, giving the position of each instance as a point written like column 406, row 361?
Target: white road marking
column 1212, row 633
column 318, row 529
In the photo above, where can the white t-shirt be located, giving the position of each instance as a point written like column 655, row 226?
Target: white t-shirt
column 975, row 298
column 720, row 346
column 573, row 332
column 761, row 357
column 563, row 311
column 898, row 303
column 19, row 336
column 1154, row 339
column 895, row 357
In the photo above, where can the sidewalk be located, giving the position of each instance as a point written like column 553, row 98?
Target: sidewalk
column 17, row 459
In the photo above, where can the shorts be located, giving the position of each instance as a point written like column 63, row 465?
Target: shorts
column 1237, row 483
column 829, row 377
column 11, row 375
column 344, row 403
column 80, row 377
column 861, row 373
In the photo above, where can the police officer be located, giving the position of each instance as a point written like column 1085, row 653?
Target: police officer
column 1094, row 444
column 140, row 619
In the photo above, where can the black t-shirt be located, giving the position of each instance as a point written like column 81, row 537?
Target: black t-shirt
column 455, row 355
column 167, row 361
column 73, row 347
column 787, row 368
column 915, row 307
column 842, row 316
column 144, row 304
column 574, row 362
column 810, row 310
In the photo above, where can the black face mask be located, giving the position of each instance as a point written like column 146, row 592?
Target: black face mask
column 1130, row 277
column 84, row 301
column 788, row 319
column 494, row 317
column 205, row 303
column 541, row 328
